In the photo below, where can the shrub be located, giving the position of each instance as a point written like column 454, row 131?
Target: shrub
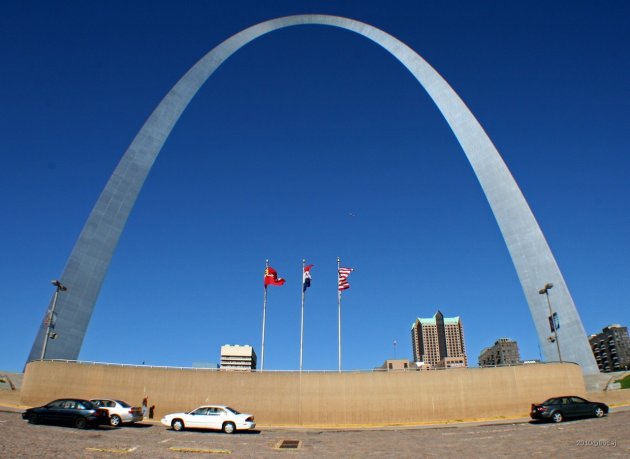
column 625, row 382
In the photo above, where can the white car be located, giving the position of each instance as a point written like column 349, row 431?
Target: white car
column 119, row 411
column 218, row 417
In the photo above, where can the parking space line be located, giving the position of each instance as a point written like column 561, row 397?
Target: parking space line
column 182, row 449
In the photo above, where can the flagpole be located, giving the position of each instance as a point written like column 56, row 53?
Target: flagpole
column 302, row 320
column 339, row 309
column 262, row 347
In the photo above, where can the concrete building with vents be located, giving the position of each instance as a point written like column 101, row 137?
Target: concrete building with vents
column 237, row 358
column 396, row 364
column 439, row 341
column 611, row 348
column 504, row 351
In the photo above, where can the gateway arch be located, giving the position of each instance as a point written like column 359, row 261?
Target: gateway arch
column 535, row 265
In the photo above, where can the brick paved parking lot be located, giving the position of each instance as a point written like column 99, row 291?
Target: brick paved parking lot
column 606, row 437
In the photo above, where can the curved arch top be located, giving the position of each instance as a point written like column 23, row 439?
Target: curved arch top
column 535, row 265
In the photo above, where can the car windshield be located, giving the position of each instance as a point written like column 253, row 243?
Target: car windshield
column 56, row 404
column 123, row 404
column 232, row 410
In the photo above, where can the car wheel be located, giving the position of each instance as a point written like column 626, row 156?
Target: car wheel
column 229, row 427
column 115, row 420
column 557, row 416
column 33, row 419
column 80, row 423
column 177, row 425
column 599, row 412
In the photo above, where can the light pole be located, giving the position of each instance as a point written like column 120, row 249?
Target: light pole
column 59, row 287
column 545, row 291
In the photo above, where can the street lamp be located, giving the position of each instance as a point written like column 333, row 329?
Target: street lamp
column 59, row 287
column 554, row 338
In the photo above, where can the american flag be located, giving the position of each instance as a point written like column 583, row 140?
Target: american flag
column 343, row 278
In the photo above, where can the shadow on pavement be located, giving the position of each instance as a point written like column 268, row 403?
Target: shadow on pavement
column 218, row 432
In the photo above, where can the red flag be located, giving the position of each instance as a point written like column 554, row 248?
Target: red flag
column 271, row 277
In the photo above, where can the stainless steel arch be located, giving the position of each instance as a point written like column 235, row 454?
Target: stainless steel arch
column 532, row 258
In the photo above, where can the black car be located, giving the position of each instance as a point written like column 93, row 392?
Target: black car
column 69, row 411
column 558, row 408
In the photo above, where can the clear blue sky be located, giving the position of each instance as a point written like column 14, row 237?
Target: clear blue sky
column 311, row 142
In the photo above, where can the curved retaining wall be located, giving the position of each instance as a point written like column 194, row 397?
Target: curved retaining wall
column 314, row 399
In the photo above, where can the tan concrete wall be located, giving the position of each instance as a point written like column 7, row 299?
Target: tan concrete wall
column 9, row 397
column 325, row 399
column 612, row 398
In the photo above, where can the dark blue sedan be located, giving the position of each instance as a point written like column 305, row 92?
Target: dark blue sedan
column 557, row 409
column 68, row 411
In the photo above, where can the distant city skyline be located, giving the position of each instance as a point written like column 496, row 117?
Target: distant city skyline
column 311, row 144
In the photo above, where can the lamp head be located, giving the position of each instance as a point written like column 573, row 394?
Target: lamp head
column 59, row 285
column 545, row 289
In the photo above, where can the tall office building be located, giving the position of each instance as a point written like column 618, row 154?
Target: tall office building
column 611, row 348
column 504, row 351
column 439, row 341
column 240, row 358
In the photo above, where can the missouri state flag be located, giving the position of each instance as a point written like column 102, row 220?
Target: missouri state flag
column 306, row 277
column 271, row 277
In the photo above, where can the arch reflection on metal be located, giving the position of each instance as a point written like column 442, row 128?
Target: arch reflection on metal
column 532, row 258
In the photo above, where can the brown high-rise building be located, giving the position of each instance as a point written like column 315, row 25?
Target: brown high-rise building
column 503, row 352
column 611, row 348
column 439, row 341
